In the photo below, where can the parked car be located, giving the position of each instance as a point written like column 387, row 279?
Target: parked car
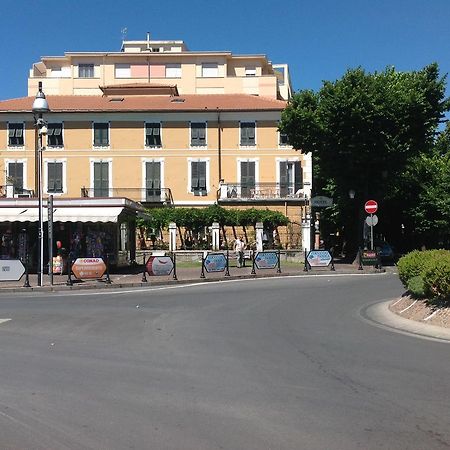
column 386, row 251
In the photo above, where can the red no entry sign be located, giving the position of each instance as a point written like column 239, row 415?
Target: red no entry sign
column 371, row 207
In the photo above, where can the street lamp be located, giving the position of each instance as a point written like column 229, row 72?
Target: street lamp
column 40, row 106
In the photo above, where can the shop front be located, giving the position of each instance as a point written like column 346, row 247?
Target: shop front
column 88, row 227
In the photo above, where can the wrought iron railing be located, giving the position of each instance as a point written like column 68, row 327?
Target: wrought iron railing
column 260, row 191
column 150, row 195
column 11, row 191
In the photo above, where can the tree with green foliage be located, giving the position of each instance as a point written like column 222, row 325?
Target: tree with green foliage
column 364, row 130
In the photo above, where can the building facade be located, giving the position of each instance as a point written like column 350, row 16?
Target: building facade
column 158, row 124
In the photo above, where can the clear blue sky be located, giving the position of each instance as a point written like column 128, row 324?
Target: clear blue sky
column 319, row 39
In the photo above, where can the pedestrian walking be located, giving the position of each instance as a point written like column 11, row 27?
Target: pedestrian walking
column 239, row 249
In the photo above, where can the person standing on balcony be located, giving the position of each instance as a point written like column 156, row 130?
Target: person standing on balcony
column 239, row 246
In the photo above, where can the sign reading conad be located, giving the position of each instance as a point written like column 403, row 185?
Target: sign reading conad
column 88, row 268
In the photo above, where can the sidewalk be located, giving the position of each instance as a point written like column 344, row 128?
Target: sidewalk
column 183, row 275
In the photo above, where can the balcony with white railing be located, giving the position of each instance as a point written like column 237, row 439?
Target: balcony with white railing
column 230, row 192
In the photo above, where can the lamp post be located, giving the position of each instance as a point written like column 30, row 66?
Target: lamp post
column 40, row 106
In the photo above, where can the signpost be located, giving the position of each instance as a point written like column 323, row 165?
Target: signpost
column 159, row 265
column 88, row 268
column 215, row 262
column 11, row 270
column 371, row 208
column 266, row 260
column 369, row 258
column 320, row 201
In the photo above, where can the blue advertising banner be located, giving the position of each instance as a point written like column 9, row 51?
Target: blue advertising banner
column 266, row 260
column 319, row 258
column 215, row 262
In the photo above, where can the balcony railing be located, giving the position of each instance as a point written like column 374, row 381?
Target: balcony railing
column 260, row 191
column 143, row 195
column 11, row 191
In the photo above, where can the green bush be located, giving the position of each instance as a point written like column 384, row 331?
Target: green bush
column 436, row 278
column 416, row 286
column 415, row 263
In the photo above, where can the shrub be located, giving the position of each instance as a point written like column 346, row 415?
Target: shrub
column 416, row 286
column 436, row 278
column 415, row 263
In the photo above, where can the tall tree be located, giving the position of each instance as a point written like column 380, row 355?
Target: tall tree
column 363, row 129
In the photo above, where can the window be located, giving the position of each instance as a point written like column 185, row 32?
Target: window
column 173, row 70
column 101, row 131
column 15, row 176
column 123, row 71
column 283, row 142
column 54, row 135
column 210, row 70
column 250, row 71
column 198, row 134
column 248, row 133
column 153, row 134
column 153, row 181
column 15, row 134
column 54, row 177
column 101, row 179
column 291, row 178
column 86, row 70
column 247, row 178
column 198, row 178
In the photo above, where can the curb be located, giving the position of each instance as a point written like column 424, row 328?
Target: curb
column 380, row 315
column 120, row 285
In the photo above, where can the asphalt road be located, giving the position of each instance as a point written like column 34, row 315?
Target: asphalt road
column 277, row 364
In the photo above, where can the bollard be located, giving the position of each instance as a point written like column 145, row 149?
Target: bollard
column 174, row 260
column 253, row 272
column 27, row 275
column 332, row 260
column 305, row 267
column 360, row 267
column 202, row 275
column 279, row 262
column 144, row 272
column 227, row 270
column 69, row 281
column 108, row 279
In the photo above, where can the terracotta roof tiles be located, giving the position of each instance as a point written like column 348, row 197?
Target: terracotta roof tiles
column 94, row 103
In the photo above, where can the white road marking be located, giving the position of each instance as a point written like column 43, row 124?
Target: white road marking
column 4, row 320
column 202, row 283
column 432, row 314
column 406, row 309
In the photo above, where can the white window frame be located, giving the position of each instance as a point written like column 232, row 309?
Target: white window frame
column 64, row 175
column 144, row 174
column 15, row 147
column 208, row 162
column 196, row 147
column 153, row 147
column 122, row 68
column 238, row 171
column 87, row 64
column 250, row 71
column 55, row 147
column 256, row 134
column 25, row 172
column 91, row 175
column 207, row 66
column 173, row 66
column 101, row 147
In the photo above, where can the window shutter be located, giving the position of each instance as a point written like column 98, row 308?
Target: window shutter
column 194, row 175
column 58, row 130
column 194, row 132
column 19, row 132
column 298, row 183
column 11, row 132
column 148, row 129
column 156, row 130
column 105, row 135
column 51, row 177
column 58, row 177
column 202, row 175
column 202, row 132
column 283, row 174
column 251, row 131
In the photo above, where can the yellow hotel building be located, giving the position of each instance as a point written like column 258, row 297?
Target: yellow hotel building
column 160, row 125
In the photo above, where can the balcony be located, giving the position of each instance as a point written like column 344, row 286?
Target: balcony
column 142, row 195
column 11, row 191
column 260, row 192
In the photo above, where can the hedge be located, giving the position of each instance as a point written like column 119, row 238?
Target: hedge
column 426, row 273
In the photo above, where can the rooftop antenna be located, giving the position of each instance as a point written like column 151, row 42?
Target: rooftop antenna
column 123, row 32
